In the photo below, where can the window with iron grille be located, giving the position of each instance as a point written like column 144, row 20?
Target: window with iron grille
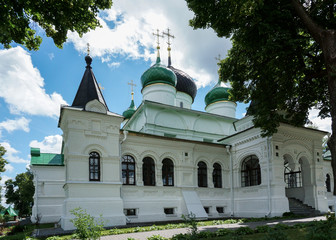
column 250, row 172
column 202, row 174
column 167, row 172
column 94, row 166
column 148, row 171
column 128, row 170
column 217, row 175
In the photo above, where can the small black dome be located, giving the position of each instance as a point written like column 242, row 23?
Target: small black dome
column 184, row 83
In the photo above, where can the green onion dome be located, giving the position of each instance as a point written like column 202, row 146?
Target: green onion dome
column 218, row 93
column 158, row 73
column 130, row 110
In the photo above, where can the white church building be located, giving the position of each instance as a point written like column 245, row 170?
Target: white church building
column 164, row 159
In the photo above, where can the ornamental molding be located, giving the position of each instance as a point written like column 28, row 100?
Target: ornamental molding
column 247, row 140
column 286, row 134
column 132, row 152
column 171, row 156
column 150, row 153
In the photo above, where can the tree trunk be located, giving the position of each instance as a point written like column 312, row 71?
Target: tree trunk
column 329, row 53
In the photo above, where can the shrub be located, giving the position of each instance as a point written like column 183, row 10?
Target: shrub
column 190, row 221
column 157, row 237
column 206, row 235
column 86, row 226
column 181, row 236
column 281, row 226
column 320, row 231
column 223, row 232
column 244, row 231
column 288, row 214
column 276, row 235
column 16, row 229
column 262, row 229
column 54, row 238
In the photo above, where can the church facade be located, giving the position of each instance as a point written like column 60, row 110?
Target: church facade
column 163, row 159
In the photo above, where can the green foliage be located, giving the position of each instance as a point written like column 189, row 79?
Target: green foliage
column 86, row 226
column 206, row 235
column 320, row 230
column 54, row 238
column 157, row 237
column 190, row 220
column 17, row 229
column 274, row 234
column 20, row 192
column 275, row 61
column 20, row 20
column 262, row 229
column 181, row 237
column 244, row 231
column 3, row 162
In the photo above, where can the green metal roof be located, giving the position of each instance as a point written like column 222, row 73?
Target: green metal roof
column 130, row 110
column 50, row 159
column 11, row 212
column 158, row 73
column 217, row 93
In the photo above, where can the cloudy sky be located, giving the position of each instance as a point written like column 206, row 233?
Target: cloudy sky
column 33, row 85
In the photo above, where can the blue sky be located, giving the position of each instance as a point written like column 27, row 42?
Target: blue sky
column 34, row 84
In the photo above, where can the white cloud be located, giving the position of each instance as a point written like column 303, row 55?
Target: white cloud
column 9, row 168
column 11, row 154
column 51, row 56
column 321, row 124
column 15, row 124
column 22, row 86
column 127, row 31
column 113, row 64
column 50, row 144
column 4, row 178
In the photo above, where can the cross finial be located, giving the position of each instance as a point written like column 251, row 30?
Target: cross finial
column 132, row 85
column 101, row 87
column 88, row 48
column 157, row 34
column 169, row 43
column 169, row 36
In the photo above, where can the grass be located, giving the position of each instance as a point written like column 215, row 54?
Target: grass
column 295, row 232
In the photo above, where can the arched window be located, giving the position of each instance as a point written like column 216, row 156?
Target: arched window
column 167, row 172
column 217, row 175
column 327, row 182
column 202, row 174
column 94, row 166
column 128, row 170
column 148, row 171
column 250, row 172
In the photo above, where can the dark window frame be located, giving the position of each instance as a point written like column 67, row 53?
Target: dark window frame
column 250, row 172
column 148, row 171
column 130, row 212
column 94, row 167
column 202, row 174
column 167, row 172
column 128, row 169
column 217, row 175
column 169, row 211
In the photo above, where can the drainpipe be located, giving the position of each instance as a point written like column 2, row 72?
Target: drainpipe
column 36, row 195
column 228, row 148
column 269, row 154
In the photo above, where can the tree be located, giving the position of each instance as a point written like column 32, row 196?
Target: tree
column 20, row 20
column 3, row 162
column 20, row 192
column 283, row 58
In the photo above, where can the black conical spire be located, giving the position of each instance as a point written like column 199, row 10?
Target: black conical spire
column 88, row 89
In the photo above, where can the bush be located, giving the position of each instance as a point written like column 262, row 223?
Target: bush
column 223, row 232
column 190, row 220
column 206, row 235
column 320, row 231
column 281, row 226
column 181, row 236
column 288, row 214
column 276, row 235
column 16, row 229
column 262, row 229
column 86, row 227
column 244, row 231
column 54, row 238
column 157, row 237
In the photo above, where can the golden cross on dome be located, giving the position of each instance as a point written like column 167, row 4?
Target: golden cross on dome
column 169, row 36
column 88, row 48
column 157, row 34
column 132, row 85
column 101, row 87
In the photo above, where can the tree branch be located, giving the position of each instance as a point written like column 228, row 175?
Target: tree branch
column 314, row 29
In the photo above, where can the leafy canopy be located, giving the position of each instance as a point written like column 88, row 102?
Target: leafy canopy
column 21, row 20
column 3, row 162
column 20, row 192
column 274, row 61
